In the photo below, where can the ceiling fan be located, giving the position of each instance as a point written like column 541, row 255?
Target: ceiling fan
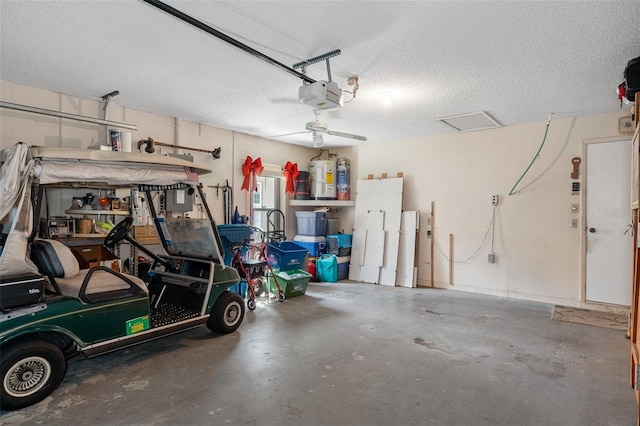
column 317, row 128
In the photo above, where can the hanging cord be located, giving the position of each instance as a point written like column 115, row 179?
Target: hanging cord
column 490, row 228
column 322, row 151
column 493, row 228
column 535, row 157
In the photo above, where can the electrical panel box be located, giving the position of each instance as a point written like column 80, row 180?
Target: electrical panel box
column 179, row 200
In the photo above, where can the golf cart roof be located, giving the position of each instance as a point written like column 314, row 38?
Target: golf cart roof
column 66, row 165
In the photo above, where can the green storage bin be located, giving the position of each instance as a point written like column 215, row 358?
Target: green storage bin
column 293, row 283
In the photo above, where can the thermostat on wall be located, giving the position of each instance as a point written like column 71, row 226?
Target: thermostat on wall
column 575, row 188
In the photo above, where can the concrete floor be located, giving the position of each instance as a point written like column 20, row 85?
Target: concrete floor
column 359, row 354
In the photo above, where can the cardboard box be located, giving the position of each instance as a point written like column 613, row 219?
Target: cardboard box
column 92, row 256
column 145, row 234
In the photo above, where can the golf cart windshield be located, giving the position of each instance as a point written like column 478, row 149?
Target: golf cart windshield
column 188, row 237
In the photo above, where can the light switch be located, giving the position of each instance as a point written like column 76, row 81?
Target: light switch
column 575, row 208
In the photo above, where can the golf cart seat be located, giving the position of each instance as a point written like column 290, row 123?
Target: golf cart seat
column 60, row 266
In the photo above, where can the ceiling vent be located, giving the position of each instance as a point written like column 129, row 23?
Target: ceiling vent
column 470, row 121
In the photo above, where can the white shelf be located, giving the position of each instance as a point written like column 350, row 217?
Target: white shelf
column 322, row 203
column 99, row 212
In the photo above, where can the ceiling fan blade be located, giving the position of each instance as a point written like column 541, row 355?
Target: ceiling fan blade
column 287, row 134
column 346, row 135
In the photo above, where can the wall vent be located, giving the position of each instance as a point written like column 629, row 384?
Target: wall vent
column 470, row 121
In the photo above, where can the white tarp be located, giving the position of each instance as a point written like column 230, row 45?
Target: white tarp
column 15, row 168
column 66, row 165
column 16, row 210
column 62, row 171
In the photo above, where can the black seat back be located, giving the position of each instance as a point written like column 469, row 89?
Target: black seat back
column 46, row 259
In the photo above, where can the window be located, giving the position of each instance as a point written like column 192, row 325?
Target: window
column 267, row 198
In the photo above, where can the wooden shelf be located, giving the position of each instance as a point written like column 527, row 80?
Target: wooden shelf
column 99, row 212
column 77, row 235
column 322, row 203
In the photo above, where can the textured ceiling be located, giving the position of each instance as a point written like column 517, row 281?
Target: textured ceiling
column 518, row 61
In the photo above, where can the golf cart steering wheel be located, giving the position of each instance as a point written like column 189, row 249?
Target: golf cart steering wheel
column 119, row 232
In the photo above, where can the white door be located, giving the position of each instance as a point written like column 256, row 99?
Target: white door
column 609, row 257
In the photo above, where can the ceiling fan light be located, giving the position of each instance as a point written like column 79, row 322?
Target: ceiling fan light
column 318, row 142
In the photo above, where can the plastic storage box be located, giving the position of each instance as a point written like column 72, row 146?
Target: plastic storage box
column 240, row 288
column 315, row 245
column 343, row 240
column 286, row 255
column 233, row 234
column 311, row 223
column 293, row 283
column 339, row 244
column 343, row 267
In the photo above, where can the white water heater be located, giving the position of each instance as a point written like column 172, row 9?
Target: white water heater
column 322, row 179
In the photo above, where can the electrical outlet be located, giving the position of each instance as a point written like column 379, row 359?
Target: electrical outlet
column 494, row 201
column 491, row 258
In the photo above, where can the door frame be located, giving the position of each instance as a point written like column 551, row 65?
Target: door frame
column 582, row 226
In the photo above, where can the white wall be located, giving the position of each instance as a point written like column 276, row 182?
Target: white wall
column 539, row 255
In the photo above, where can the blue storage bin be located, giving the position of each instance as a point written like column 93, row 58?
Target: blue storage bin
column 240, row 288
column 315, row 245
column 343, row 271
column 233, row 234
column 339, row 244
column 343, row 267
column 311, row 223
column 286, row 255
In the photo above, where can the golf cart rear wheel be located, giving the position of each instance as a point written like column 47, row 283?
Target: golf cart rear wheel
column 227, row 313
column 31, row 370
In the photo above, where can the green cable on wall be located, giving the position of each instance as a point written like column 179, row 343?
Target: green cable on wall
column 535, row 157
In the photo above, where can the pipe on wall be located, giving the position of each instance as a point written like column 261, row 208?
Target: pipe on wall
column 69, row 116
column 151, row 143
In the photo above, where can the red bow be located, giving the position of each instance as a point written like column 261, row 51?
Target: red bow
column 251, row 168
column 291, row 173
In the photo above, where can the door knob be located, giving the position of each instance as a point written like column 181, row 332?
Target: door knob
column 592, row 230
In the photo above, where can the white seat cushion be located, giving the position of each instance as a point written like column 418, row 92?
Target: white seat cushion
column 99, row 282
column 66, row 257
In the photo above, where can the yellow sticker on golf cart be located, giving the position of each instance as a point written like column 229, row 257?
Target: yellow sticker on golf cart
column 137, row 325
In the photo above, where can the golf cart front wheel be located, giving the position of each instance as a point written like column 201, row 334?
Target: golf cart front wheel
column 227, row 313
